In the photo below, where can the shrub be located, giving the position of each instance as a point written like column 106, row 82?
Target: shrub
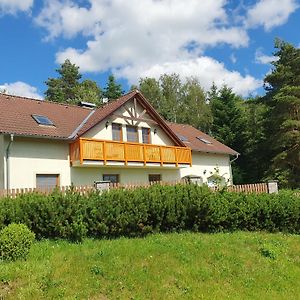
column 15, row 242
column 155, row 209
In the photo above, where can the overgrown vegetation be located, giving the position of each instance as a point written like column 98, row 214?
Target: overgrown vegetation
column 161, row 266
column 147, row 210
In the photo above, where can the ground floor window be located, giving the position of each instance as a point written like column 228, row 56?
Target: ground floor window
column 114, row 178
column 154, row 177
column 47, row 181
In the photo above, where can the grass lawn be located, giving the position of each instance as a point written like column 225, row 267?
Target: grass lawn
column 162, row 266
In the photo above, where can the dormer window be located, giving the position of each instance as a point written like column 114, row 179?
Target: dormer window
column 42, row 120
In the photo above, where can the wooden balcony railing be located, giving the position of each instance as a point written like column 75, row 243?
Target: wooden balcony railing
column 100, row 150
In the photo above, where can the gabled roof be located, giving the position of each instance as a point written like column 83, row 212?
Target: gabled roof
column 16, row 117
column 71, row 121
column 106, row 110
column 199, row 141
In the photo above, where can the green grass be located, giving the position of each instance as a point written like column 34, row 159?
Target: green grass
column 162, row 266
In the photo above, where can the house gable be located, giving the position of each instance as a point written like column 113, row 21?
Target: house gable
column 131, row 109
column 132, row 113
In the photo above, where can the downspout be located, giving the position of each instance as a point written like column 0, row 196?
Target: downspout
column 7, row 162
column 230, row 162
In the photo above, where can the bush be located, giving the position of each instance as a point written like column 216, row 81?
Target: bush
column 154, row 209
column 15, row 242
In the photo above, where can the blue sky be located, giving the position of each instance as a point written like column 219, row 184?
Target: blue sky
column 217, row 41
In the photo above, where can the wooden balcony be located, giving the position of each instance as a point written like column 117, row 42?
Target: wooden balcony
column 106, row 152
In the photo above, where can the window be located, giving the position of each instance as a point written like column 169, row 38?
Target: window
column 154, row 177
column 203, row 140
column 42, row 120
column 114, row 178
column 132, row 134
column 47, row 181
column 117, row 132
column 182, row 138
column 146, row 135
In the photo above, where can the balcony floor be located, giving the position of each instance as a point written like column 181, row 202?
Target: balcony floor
column 93, row 163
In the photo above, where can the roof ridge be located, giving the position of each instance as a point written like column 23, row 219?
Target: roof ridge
column 42, row 100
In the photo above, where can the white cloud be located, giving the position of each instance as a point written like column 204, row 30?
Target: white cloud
column 139, row 38
column 261, row 58
column 270, row 13
column 206, row 69
column 20, row 88
column 13, row 6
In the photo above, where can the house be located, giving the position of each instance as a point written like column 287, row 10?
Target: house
column 46, row 144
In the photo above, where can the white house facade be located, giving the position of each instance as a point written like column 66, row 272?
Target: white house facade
column 46, row 144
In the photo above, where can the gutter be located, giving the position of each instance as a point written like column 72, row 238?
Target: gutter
column 236, row 157
column 7, row 162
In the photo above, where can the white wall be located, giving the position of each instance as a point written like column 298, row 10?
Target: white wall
column 2, row 158
column 29, row 157
column 102, row 133
column 204, row 164
column 87, row 175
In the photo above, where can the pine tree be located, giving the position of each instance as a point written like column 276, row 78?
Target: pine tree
column 68, row 89
column 113, row 90
column 62, row 89
column 283, row 125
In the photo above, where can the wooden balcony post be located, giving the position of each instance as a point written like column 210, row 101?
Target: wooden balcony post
column 161, row 157
column 176, row 157
column 104, row 152
column 144, row 154
column 81, row 151
column 125, row 153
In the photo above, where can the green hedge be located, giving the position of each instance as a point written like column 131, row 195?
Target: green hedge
column 155, row 209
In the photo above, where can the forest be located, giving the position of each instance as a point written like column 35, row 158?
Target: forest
column 264, row 129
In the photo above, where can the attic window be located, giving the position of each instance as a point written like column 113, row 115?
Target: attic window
column 205, row 141
column 182, row 138
column 42, row 120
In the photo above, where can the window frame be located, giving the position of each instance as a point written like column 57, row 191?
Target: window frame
column 37, row 118
column 136, row 133
column 111, row 175
column 120, row 131
column 149, row 135
column 57, row 183
column 154, row 175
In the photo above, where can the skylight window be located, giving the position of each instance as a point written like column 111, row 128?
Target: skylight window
column 42, row 120
column 203, row 140
column 182, row 138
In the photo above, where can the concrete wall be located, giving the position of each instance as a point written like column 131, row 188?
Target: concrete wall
column 87, row 175
column 29, row 157
column 2, row 158
column 102, row 133
column 205, row 164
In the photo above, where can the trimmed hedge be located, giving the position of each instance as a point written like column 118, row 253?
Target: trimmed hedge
column 155, row 209
column 15, row 242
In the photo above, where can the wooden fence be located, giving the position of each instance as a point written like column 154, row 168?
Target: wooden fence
column 85, row 189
